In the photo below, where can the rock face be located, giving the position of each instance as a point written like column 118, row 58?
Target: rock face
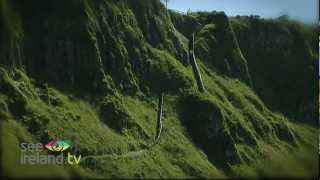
column 218, row 45
column 282, row 60
column 86, row 40
column 215, row 42
column 90, row 71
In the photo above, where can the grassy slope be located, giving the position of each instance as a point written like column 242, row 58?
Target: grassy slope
column 273, row 133
column 228, row 131
column 176, row 155
column 52, row 115
column 259, row 135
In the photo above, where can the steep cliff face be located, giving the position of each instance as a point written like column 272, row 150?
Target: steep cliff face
column 282, row 60
column 216, row 43
column 74, row 45
column 91, row 72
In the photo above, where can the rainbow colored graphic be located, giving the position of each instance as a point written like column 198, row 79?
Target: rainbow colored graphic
column 57, row 146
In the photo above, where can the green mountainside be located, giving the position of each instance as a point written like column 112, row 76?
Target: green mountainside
column 91, row 72
column 281, row 56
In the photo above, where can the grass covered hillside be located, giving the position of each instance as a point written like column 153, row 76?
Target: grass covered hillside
column 91, row 72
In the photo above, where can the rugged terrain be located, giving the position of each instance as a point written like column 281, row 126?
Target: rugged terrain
column 91, row 72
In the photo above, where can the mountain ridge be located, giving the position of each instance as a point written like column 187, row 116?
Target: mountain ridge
column 93, row 72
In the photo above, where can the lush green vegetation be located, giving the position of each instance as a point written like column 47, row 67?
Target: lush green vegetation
column 282, row 57
column 92, row 74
